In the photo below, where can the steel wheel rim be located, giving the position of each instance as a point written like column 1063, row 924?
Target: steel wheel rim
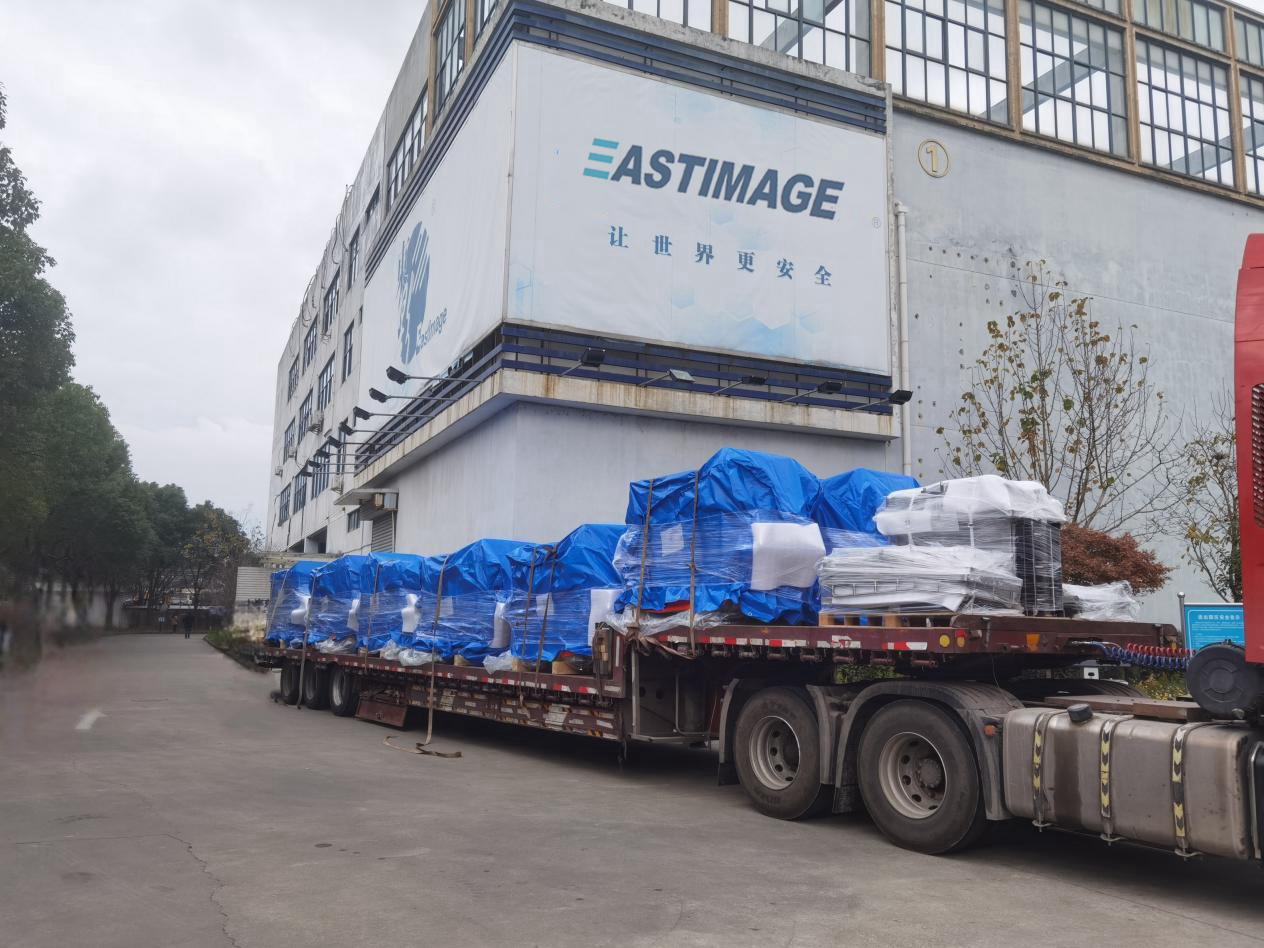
column 774, row 752
column 913, row 776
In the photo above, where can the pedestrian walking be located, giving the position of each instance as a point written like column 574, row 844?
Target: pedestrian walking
column 188, row 623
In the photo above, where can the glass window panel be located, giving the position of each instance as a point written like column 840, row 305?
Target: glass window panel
column 1189, row 128
column 945, row 56
column 739, row 21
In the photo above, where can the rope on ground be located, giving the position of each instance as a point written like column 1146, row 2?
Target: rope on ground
column 420, row 748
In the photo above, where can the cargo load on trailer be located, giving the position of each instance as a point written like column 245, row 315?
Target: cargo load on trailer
column 335, row 604
column 288, row 611
column 566, row 591
column 734, row 536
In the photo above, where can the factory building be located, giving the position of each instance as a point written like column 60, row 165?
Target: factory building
column 589, row 244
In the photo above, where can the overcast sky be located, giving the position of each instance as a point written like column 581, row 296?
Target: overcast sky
column 191, row 156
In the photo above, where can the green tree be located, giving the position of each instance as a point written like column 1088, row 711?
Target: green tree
column 1058, row 397
column 214, row 547
column 168, row 522
column 35, row 358
column 86, row 483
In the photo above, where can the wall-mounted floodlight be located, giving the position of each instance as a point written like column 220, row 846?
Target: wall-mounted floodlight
column 346, row 429
column 825, row 388
column 591, row 359
column 901, row 396
column 399, row 378
column 744, row 380
column 676, row 375
column 360, row 414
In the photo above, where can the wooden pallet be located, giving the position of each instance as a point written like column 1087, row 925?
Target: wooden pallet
column 889, row 620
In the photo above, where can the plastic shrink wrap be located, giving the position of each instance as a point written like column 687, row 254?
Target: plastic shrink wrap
column 475, row 584
column 287, row 611
column 1019, row 519
column 573, row 586
column 738, row 530
column 848, row 502
column 397, row 600
column 334, row 607
column 914, row 579
column 1107, row 601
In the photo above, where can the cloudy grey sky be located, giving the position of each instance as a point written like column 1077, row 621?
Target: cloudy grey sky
column 191, row 156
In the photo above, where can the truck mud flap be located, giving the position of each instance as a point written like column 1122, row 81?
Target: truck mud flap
column 382, row 712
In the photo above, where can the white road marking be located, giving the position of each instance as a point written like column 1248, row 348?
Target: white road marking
column 89, row 719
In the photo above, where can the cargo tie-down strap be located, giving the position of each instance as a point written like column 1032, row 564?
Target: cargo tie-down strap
column 1105, row 786
column 1180, row 818
column 633, row 635
column 1038, row 736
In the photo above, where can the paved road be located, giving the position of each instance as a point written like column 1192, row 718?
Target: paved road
column 151, row 794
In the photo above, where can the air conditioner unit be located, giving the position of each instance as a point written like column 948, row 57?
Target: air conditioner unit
column 317, row 422
column 337, row 487
column 292, row 454
column 278, row 471
column 385, row 500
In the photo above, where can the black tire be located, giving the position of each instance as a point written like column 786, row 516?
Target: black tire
column 289, row 683
column 916, row 759
column 778, row 755
column 344, row 692
column 315, row 688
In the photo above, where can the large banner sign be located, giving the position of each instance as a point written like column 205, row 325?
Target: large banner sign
column 582, row 197
column 648, row 209
column 440, row 286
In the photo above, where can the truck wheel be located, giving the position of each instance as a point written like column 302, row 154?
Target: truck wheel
column 778, row 755
column 919, row 778
column 344, row 693
column 315, row 688
column 289, row 683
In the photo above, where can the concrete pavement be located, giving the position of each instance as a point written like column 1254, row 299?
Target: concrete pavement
column 151, row 794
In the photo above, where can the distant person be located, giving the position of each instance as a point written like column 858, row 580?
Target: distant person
column 187, row 620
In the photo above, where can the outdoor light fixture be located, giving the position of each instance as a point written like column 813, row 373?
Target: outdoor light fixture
column 399, row 378
column 676, row 375
column 901, row 396
column 346, row 428
column 824, row 388
column 361, row 414
column 591, row 359
column 744, row 380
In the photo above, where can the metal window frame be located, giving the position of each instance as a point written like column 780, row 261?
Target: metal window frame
column 325, row 384
column 1146, row 82
column 803, row 25
column 1070, row 63
column 991, row 114
column 348, row 349
column 449, row 46
column 1253, row 160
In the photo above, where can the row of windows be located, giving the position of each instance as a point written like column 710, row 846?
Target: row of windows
column 320, row 398
column 407, row 152
column 294, row 496
column 449, row 51
column 1073, row 70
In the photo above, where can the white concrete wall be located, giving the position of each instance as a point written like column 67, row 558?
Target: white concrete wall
column 1148, row 252
column 535, row 472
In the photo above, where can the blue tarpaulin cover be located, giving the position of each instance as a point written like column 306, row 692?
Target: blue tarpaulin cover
column 335, row 587
column 477, row 582
column 750, row 535
column 389, row 584
column 290, row 587
column 571, row 585
column 848, row 502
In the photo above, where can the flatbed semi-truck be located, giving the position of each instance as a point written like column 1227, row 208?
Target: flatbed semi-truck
column 964, row 732
column 959, row 739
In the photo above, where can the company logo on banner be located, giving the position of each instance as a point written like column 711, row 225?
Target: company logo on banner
column 720, row 180
column 412, row 288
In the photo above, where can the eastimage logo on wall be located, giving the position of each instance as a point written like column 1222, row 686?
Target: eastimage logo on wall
column 715, row 178
column 413, row 286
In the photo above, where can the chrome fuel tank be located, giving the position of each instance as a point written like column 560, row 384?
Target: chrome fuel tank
column 1187, row 786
